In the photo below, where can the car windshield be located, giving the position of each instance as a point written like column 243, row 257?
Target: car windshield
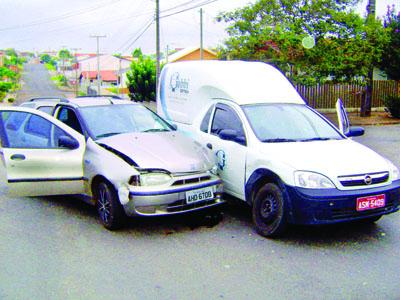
column 108, row 120
column 276, row 123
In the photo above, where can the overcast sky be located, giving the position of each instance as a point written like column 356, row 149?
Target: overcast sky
column 37, row 25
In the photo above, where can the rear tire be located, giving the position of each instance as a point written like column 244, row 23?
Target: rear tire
column 269, row 211
column 110, row 210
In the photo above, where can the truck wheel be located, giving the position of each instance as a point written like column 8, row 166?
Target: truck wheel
column 269, row 211
column 110, row 210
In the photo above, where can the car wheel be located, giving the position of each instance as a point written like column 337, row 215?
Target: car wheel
column 110, row 210
column 269, row 211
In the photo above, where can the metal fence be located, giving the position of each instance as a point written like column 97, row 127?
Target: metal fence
column 324, row 96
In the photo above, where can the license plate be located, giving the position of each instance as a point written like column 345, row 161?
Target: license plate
column 370, row 202
column 199, row 195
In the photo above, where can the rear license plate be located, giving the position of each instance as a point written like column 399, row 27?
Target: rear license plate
column 370, row 202
column 199, row 195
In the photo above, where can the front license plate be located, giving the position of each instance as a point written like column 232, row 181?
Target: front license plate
column 199, row 195
column 370, row 202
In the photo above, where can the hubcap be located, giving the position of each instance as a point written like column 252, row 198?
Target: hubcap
column 104, row 206
column 268, row 208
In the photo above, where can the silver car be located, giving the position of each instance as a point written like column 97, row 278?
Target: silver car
column 119, row 155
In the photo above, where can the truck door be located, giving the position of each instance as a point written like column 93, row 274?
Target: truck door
column 343, row 118
column 41, row 155
column 230, row 153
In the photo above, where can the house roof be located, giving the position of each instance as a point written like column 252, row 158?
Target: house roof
column 105, row 75
column 186, row 51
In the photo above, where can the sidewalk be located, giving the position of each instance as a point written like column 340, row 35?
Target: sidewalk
column 376, row 118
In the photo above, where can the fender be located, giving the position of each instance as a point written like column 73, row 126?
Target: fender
column 265, row 175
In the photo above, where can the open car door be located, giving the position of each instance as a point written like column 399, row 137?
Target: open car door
column 344, row 122
column 41, row 155
column 343, row 118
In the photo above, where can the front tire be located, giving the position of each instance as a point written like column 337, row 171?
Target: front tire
column 110, row 210
column 269, row 211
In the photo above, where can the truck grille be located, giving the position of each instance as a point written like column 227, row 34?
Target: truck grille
column 364, row 179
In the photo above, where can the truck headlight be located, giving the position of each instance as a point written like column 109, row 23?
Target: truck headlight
column 154, row 178
column 394, row 171
column 311, row 180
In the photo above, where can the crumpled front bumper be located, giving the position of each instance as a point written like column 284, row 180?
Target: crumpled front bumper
column 170, row 200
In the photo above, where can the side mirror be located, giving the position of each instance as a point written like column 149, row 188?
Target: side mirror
column 67, row 142
column 228, row 134
column 355, row 131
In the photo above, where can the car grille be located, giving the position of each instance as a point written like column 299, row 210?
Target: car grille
column 191, row 180
column 364, row 179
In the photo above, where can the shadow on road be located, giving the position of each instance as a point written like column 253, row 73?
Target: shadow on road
column 233, row 214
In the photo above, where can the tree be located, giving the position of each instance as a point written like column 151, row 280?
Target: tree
column 391, row 56
column 64, row 54
column 142, row 79
column 310, row 40
column 45, row 58
column 137, row 53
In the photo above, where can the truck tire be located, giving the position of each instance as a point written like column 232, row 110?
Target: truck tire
column 110, row 210
column 269, row 211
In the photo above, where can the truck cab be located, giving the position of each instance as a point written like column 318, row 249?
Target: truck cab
column 273, row 151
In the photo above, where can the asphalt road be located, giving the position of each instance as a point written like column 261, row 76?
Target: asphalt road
column 36, row 82
column 55, row 248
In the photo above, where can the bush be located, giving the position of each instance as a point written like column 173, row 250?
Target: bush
column 11, row 100
column 393, row 105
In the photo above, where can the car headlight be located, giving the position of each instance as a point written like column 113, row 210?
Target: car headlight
column 311, row 180
column 394, row 171
column 154, row 178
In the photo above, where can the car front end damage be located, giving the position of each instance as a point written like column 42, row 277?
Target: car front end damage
column 158, row 192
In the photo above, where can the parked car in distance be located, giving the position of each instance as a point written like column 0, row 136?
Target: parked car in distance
column 118, row 155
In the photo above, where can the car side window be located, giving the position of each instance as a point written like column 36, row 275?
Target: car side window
column 68, row 117
column 226, row 118
column 37, row 133
column 46, row 109
column 38, row 126
column 206, row 120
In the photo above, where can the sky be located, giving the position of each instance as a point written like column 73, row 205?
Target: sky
column 43, row 25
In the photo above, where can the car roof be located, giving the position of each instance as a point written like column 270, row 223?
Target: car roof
column 83, row 101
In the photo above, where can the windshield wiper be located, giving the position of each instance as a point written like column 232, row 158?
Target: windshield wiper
column 316, row 139
column 155, row 130
column 107, row 134
column 279, row 140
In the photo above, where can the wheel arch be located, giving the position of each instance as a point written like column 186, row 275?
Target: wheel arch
column 260, row 177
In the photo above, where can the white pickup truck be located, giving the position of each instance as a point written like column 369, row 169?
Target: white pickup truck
column 288, row 162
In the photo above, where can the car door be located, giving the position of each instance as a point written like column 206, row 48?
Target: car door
column 230, row 154
column 41, row 155
column 343, row 118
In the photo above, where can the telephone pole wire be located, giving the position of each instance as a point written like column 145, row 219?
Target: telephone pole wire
column 97, row 37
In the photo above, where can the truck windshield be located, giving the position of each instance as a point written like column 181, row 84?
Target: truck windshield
column 107, row 120
column 277, row 123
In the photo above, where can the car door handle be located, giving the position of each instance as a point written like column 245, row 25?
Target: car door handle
column 209, row 146
column 17, row 157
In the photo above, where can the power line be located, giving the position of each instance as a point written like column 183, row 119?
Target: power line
column 60, row 17
column 189, row 8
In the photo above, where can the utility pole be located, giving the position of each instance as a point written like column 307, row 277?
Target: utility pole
column 76, row 70
column 366, row 103
column 97, row 37
column 157, row 43
column 201, row 35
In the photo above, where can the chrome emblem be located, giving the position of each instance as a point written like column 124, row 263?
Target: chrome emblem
column 368, row 180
